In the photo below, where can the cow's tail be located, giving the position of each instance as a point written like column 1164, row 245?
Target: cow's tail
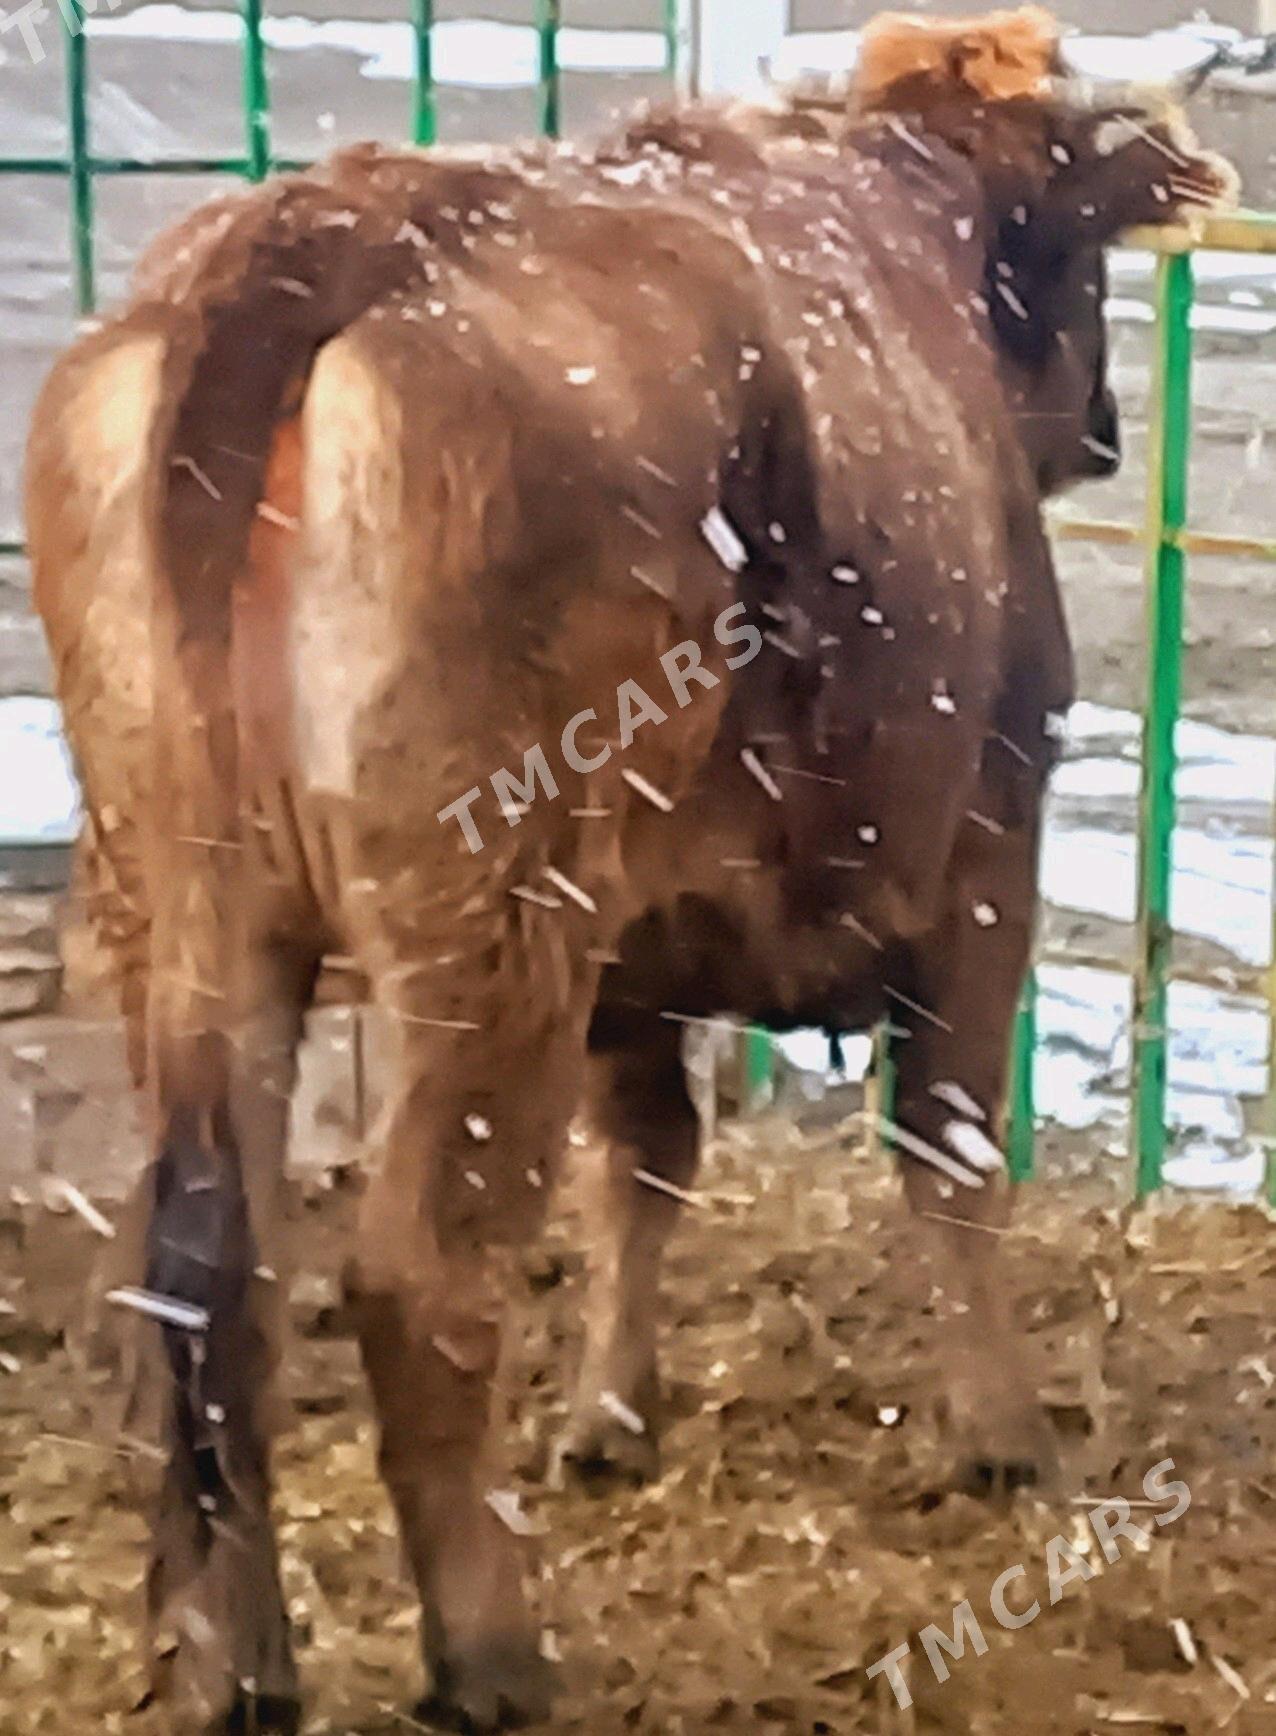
column 293, row 266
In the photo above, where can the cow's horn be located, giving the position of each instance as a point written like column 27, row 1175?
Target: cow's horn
column 1172, row 61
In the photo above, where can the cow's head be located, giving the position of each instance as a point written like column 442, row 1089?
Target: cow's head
column 1057, row 181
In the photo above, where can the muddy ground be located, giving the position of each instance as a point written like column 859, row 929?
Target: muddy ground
column 802, row 1527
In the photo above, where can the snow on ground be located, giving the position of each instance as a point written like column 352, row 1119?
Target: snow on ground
column 475, row 52
column 39, row 802
column 1222, row 891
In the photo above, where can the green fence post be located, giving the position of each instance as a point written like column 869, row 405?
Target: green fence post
column 425, row 116
column 879, row 1089
column 80, row 166
column 672, row 25
column 256, row 94
column 1168, row 456
column 1023, row 1097
column 757, row 1066
column 886, row 1071
column 548, row 18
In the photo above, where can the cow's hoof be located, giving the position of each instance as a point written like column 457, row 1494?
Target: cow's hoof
column 503, row 1685
column 991, row 1479
column 1025, row 1456
column 1000, row 1443
column 269, row 1714
column 600, row 1450
column 211, row 1703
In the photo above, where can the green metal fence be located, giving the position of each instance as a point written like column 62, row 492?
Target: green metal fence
column 1169, row 542
column 82, row 168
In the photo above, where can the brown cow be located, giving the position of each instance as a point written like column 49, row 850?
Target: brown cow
column 463, row 503
column 939, row 258
column 437, row 385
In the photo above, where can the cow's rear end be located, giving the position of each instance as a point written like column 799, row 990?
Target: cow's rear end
column 410, row 524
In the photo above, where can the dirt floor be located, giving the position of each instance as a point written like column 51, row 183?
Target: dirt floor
column 802, row 1528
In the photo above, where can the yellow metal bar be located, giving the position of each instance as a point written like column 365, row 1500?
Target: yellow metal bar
column 1241, row 984
column 1233, row 232
column 1188, row 542
column 1209, row 542
column 1098, row 530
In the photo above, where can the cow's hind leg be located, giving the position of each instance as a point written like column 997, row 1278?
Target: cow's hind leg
column 957, row 1003
column 213, row 1270
column 642, row 1114
column 106, row 938
column 475, row 1125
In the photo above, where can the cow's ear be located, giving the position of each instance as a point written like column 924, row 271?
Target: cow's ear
column 696, row 135
column 1120, row 168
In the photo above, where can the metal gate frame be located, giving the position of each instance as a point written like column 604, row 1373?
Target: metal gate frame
column 82, row 167
column 1168, row 543
column 1168, row 540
